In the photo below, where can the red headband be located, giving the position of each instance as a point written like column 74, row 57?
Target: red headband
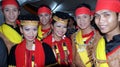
column 113, row 5
column 82, row 10
column 44, row 10
column 9, row 2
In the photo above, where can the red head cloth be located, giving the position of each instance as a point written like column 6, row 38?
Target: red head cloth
column 44, row 10
column 113, row 5
column 82, row 10
column 9, row 2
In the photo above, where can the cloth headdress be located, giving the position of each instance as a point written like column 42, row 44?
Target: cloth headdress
column 9, row 2
column 113, row 5
column 44, row 10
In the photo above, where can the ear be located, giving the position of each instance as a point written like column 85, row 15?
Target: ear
column 91, row 17
column 118, row 17
column 21, row 30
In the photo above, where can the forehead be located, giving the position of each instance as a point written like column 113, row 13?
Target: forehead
column 100, row 12
column 10, row 6
column 44, row 13
column 82, row 15
column 29, row 26
column 59, row 23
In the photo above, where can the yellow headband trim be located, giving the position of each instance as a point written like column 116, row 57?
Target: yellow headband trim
column 64, row 21
column 29, row 22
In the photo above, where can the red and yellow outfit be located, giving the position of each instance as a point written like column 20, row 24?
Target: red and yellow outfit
column 62, row 49
column 10, row 33
column 25, row 58
column 83, row 46
column 43, row 33
column 107, row 53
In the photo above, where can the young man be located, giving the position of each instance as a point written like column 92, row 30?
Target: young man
column 85, row 39
column 107, row 18
column 10, row 29
column 44, row 14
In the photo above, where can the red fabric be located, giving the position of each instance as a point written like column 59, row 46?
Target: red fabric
column 44, row 10
column 66, row 40
column 9, row 2
column 82, row 10
column 48, row 40
column 112, row 52
column 38, row 54
column 46, row 30
column 113, row 5
column 89, row 36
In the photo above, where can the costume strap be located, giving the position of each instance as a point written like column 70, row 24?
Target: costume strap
column 9, row 32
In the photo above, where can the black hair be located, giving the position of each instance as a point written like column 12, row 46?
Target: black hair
column 84, row 5
column 28, row 17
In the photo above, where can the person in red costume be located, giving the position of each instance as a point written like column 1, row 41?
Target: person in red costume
column 30, row 52
column 85, row 39
column 10, row 29
column 45, row 18
column 107, row 18
column 60, row 44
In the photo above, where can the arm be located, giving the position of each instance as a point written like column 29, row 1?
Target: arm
column 3, row 54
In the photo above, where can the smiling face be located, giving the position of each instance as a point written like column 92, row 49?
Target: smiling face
column 59, row 29
column 44, row 18
column 107, row 21
column 29, row 32
column 83, row 21
column 11, row 13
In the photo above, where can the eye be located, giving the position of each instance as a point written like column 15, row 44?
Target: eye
column 6, row 10
column 15, row 10
column 27, row 29
column 97, row 16
column 106, row 15
column 35, row 29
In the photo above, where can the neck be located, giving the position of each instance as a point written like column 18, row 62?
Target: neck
column 45, row 26
column 56, row 38
column 110, row 35
column 29, row 45
column 87, row 30
column 11, row 23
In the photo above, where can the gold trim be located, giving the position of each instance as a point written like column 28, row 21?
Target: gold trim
column 64, row 21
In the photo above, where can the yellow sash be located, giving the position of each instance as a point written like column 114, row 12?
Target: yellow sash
column 40, row 33
column 82, row 51
column 11, row 34
column 100, row 53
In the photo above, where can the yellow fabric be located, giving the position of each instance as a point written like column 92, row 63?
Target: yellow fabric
column 11, row 34
column 83, row 54
column 100, row 52
column 40, row 33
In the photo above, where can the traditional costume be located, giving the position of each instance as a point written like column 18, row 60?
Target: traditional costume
column 20, row 56
column 84, row 44
column 43, row 33
column 107, row 53
column 62, row 49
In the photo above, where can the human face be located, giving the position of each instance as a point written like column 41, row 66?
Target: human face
column 59, row 29
column 44, row 18
column 11, row 13
column 106, row 20
column 29, row 32
column 83, row 21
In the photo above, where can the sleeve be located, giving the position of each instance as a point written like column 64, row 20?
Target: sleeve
column 3, row 54
column 49, row 55
column 11, row 57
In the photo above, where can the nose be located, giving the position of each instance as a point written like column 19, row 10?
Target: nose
column 11, row 12
column 102, row 19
